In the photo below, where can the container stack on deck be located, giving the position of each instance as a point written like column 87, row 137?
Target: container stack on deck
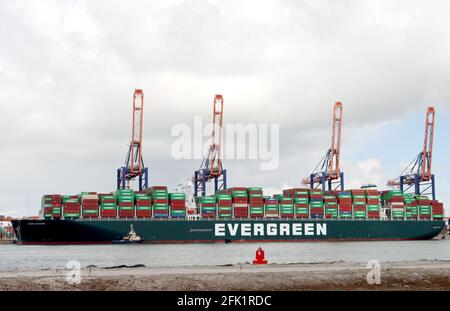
column 345, row 204
column 177, row 205
column 160, row 199
column 208, row 206
column 373, row 204
column 331, row 205
column 108, row 205
column 240, row 202
column 224, row 205
column 256, row 202
column 301, row 201
column 71, row 206
column 410, row 206
column 89, row 204
column 437, row 209
column 316, row 203
column 51, row 206
column 244, row 203
column 359, row 203
column 424, row 206
column 125, row 199
column 286, row 207
column 143, row 205
column 394, row 199
column 271, row 208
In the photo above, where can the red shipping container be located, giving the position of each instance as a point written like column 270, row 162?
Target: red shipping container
column 257, row 215
column 396, row 199
column 240, row 200
column 126, row 213
column 301, row 215
column 290, row 215
column 345, row 201
column 373, row 201
column 358, row 192
column 270, row 201
column 208, row 215
column 143, row 213
column 316, row 196
column 108, row 213
column 143, row 203
column 372, row 192
column 158, row 188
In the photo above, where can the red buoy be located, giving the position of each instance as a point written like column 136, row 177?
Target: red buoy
column 259, row 258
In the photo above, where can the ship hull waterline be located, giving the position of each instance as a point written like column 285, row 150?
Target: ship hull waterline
column 51, row 232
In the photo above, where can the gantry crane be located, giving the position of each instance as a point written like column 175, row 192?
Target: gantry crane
column 418, row 173
column 327, row 175
column 134, row 163
column 211, row 166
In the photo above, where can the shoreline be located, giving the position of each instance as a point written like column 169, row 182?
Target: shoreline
column 417, row 275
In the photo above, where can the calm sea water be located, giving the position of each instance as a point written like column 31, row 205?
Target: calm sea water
column 21, row 257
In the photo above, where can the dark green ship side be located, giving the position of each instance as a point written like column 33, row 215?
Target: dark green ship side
column 209, row 231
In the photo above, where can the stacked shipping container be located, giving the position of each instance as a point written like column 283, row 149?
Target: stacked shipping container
column 108, row 205
column 177, row 205
column 125, row 199
column 160, row 200
column 89, row 204
column 373, row 204
column 224, row 205
column 394, row 199
column 256, row 202
column 51, row 206
column 359, row 203
column 301, row 201
column 71, row 206
column 143, row 205
column 316, row 203
column 242, row 203
column 208, row 206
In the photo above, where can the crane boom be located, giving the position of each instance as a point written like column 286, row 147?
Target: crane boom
column 335, row 150
column 135, row 164
column 215, row 162
column 427, row 154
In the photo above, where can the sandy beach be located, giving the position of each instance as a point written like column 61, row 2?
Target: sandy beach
column 420, row 275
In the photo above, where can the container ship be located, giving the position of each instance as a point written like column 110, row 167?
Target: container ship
column 241, row 214
column 237, row 214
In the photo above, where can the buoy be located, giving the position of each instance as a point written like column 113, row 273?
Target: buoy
column 259, row 258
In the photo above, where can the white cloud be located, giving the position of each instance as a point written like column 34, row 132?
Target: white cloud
column 363, row 172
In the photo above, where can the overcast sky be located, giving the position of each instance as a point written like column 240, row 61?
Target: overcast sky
column 68, row 70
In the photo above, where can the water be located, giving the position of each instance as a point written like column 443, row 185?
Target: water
column 27, row 258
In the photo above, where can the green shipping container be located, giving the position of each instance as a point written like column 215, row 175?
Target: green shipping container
column 177, row 196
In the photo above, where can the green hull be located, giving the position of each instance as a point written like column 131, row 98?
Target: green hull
column 185, row 231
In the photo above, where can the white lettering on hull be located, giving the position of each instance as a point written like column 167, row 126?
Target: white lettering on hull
column 270, row 229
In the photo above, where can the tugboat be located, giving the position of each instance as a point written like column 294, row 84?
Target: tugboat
column 131, row 238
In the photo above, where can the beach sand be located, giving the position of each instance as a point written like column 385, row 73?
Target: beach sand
column 421, row 275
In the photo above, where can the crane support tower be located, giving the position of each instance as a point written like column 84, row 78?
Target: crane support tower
column 134, row 164
column 211, row 168
column 327, row 175
column 417, row 175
